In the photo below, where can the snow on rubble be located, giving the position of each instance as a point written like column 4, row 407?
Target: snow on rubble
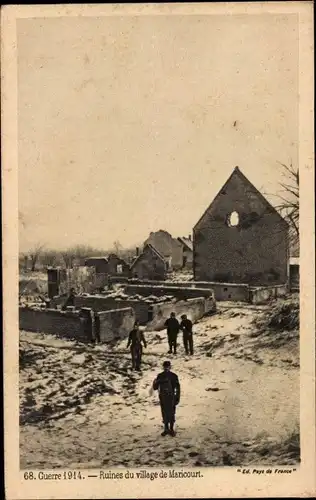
column 234, row 407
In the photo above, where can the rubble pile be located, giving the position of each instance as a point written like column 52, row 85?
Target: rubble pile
column 151, row 299
column 282, row 317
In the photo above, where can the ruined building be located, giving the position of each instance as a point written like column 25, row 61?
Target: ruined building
column 187, row 247
column 241, row 238
column 170, row 248
column 150, row 265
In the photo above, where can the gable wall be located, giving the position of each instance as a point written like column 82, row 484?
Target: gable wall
column 149, row 266
column 254, row 252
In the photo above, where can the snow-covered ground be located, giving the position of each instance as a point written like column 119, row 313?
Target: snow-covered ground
column 82, row 406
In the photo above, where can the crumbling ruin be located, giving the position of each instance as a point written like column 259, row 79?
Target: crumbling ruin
column 111, row 314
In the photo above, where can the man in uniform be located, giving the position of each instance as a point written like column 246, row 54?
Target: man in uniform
column 186, row 326
column 167, row 383
column 135, row 340
column 173, row 327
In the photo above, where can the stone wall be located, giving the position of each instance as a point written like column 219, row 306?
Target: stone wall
column 179, row 293
column 62, row 323
column 104, row 303
column 115, row 324
column 107, row 325
column 99, row 303
column 261, row 295
column 255, row 251
column 193, row 308
column 222, row 291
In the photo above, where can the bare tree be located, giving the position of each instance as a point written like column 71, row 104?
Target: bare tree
column 117, row 246
column 69, row 256
column 49, row 258
column 77, row 254
column 35, row 254
column 288, row 200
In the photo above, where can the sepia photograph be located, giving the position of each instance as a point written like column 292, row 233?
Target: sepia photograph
column 159, row 243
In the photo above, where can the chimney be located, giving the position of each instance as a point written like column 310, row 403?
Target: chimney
column 137, row 251
column 190, row 237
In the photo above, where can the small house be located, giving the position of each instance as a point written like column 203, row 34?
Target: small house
column 100, row 264
column 170, row 248
column 150, row 265
column 187, row 248
column 117, row 266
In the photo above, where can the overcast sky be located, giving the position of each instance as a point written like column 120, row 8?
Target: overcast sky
column 131, row 124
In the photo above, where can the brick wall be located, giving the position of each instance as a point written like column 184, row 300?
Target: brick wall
column 62, row 323
column 253, row 252
column 116, row 323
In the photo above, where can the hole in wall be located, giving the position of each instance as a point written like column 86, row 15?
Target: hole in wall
column 233, row 219
column 225, row 289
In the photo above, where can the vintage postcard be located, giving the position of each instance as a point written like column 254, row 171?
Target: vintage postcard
column 158, row 250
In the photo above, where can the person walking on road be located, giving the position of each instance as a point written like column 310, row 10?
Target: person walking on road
column 186, row 326
column 173, row 328
column 136, row 340
column 168, row 385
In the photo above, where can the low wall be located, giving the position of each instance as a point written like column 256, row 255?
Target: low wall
column 115, row 324
column 104, row 303
column 222, row 291
column 193, row 308
column 229, row 291
column 180, row 293
column 99, row 303
column 260, row 295
column 62, row 323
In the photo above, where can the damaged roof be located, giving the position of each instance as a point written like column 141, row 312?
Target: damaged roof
column 186, row 242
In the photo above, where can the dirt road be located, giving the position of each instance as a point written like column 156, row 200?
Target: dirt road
column 83, row 406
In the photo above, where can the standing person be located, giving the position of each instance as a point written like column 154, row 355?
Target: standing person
column 135, row 340
column 173, row 328
column 168, row 385
column 186, row 326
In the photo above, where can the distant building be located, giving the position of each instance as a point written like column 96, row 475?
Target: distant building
column 150, row 264
column 241, row 238
column 187, row 247
column 111, row 265
column 117, row 266
column 170, row 248
column 100, row 264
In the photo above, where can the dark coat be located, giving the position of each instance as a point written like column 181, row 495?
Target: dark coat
column 136, row 337
column 168, row 385
column 172, row 325
column 186, row 326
